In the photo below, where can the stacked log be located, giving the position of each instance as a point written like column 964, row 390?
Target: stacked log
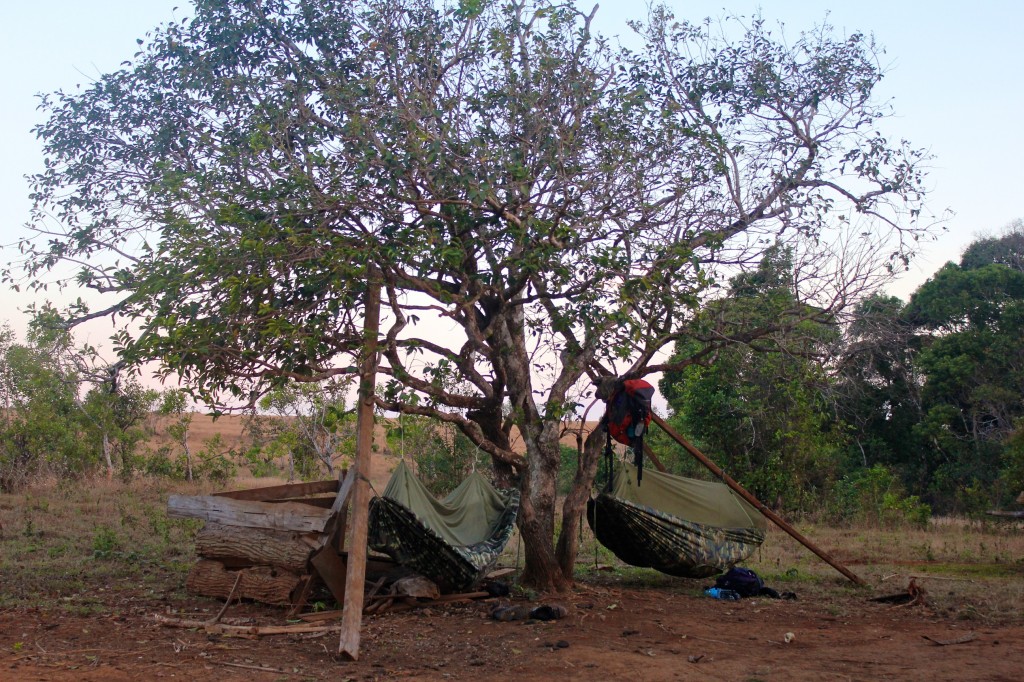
column 265, row 544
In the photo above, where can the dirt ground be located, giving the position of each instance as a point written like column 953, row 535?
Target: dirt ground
column 85, row 570
column 611, row 632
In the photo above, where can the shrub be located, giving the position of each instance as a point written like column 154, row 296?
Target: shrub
column 875, row 495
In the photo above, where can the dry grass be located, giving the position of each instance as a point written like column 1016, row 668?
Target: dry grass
column 92, row 546
column 969, row 569
column 65, row 544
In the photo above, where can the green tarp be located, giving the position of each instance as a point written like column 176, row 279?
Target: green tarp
column 453, row 541
column 680, row 526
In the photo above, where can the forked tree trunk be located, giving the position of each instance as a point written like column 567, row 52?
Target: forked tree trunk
column 576, row 501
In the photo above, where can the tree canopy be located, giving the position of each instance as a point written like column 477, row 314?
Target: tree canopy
column 539, row 205
column 763, row 408
column 973, row 361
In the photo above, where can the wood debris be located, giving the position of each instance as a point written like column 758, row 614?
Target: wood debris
column 969, row 637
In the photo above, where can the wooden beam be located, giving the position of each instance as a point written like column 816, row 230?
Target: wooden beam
column 654, row 458
column 331, row 570
column 742, row 492
column 352, row 618
column 293, row 516
column 278, row 492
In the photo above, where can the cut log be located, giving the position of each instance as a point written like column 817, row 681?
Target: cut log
column 1007, row 514
column 293, row 516
column 229, row 544
column 260, row 583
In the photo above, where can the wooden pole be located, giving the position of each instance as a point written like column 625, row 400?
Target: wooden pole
column 352, row 616
column 654, row 458
column 768, row 513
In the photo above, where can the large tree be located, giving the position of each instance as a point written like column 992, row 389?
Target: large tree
column 539, row 206
column 879, row 390
column 763, row 409
column 972, row 358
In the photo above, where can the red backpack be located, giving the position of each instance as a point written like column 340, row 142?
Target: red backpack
column 629, row 411
column 627, row 417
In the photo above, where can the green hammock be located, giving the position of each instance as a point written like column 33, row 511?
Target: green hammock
column 680, row 526
column 454, row 541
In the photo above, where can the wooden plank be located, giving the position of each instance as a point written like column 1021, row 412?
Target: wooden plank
column 352, row 618
column 321, row 502
column 339, row 508
column 293, row 516
column 277, row 492
column 241, row 631
column 331, row 569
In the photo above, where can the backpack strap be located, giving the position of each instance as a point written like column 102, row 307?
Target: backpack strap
column 638, row 458
column 608, row 454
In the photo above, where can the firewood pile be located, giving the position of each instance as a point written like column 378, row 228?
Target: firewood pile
column 277, row 545
column 272, row 544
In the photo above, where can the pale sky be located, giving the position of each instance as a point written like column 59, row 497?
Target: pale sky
column 954, row 78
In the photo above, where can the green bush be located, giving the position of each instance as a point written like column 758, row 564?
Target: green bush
column 259, row 461
column 105, row 543
column 214, row 463
column 160, row 463
column 875, row 495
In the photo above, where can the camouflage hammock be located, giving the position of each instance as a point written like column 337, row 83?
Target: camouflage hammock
column 454, row 541
column 680, row 526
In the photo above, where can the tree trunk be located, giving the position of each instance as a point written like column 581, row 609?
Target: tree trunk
column 576, row 501
column 537, row 512
column 106, row 455
column 490, row 422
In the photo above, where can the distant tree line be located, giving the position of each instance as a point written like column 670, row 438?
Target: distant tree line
column 907, row 407
column 66, row 414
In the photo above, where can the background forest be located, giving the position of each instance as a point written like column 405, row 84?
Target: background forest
column 907, row 409
column 911, row 407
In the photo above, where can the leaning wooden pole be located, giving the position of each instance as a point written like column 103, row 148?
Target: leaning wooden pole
column 741, row 491
column 355, row 574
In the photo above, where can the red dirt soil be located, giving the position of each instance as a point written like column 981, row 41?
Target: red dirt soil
column 611, row 632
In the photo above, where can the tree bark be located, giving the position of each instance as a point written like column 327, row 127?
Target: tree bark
column 260, row 583
column 283, row 549
column 106, row 456
column 576, row 501
column 490, row 422
column 541, row 569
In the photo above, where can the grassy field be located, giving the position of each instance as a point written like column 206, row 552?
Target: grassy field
column 94, row 546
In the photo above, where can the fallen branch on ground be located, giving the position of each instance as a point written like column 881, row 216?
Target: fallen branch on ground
column 241, row 630
column 969, row 637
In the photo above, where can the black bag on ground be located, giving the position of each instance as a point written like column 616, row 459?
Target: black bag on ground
column 741, row 580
